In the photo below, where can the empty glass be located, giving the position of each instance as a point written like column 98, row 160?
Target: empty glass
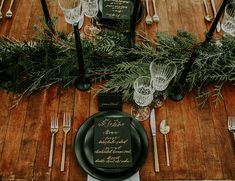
column 72, row 10
column 228, row 24
column 143, row 96
column 90, row 9
column 161, row 75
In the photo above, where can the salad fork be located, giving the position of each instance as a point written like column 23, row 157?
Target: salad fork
column 9, row 12
column 1, row 9
column 148, row 18
column 66, row 128
column 54, row 129
column 155, row 16
column 231, row 125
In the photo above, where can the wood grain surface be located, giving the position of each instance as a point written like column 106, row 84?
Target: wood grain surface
column 200, row 145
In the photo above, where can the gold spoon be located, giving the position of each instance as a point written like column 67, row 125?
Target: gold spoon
column 208, row 17
column 165, row 129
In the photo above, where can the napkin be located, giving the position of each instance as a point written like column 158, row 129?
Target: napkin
column 135, row 177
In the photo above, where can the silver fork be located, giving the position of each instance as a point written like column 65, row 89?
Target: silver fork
column 9, row 12
column 155, row 16
column 148, row 18
column 54, row 129
column 231, row 125
column 1, row 9
column 66, row 128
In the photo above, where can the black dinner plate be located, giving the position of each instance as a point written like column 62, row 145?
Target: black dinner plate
column 116, row 23
column 84, row 148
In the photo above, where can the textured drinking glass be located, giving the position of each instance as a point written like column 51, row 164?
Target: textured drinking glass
column 143, row 96
column 72, row 10
column 162, row 74
column 228, row 24
column 90, row 9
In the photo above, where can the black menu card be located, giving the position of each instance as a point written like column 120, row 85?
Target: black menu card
column 117, row 9
column 112, row 142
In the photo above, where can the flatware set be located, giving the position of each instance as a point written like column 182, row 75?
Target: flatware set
column 148, row 19
column 54, row 130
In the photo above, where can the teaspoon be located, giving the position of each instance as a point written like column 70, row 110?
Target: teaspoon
column 165, row 129
column 207, row 17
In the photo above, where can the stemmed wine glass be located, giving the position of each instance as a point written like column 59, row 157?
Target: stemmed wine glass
column 143, row 96
column 161, row 75
column 90, row 9
column 228, row 24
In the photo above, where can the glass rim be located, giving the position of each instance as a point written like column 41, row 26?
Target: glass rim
column 66, row 9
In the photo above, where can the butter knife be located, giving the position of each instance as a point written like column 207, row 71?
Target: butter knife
column 214, row 11
column 153, row 129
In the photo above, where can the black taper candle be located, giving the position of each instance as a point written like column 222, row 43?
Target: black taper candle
column 176, row 92
column 133, row 24
column 47, row 15
column 81, row 83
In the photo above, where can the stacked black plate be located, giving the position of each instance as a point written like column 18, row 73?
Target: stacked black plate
column 84, row 143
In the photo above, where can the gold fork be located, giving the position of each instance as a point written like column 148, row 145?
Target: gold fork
column 66, row 128
column 231, row 125
column 54, row 129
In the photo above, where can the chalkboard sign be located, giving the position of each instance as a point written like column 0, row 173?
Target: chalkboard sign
column 117, row 9
column 112, row 142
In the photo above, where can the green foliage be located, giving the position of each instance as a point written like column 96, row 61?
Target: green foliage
column 26, row 68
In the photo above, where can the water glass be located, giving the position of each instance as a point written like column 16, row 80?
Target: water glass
column 162, row 74
column 143, row 96
column 228, row 24
column 72, row 10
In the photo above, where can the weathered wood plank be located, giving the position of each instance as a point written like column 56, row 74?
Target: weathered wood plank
column 213, row 167
column 4, row 119
column 41, row 169
column 81, row 113
column 193, row 142
column 30, row 137
column 13, row 139
column 21, row 19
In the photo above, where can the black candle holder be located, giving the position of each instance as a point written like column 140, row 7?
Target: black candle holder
column 81, row 83
column 176, row 91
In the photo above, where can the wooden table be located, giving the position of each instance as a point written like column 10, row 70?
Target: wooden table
column 200, row 145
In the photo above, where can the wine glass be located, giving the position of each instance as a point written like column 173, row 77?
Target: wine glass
column 161, row 75
column 90, row 9
column 72, row 10
column 143, row 96
column 228, row 24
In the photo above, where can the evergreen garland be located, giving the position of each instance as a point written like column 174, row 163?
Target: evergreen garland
column 26, row 67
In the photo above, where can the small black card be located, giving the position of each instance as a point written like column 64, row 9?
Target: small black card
column 117, row 9
column 112, row 142
column 110, row 101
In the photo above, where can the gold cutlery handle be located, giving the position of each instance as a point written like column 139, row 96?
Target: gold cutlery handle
column 155, row 152
column 167, row 153
column 51, row 149
column 147, row 7
column 63, row 153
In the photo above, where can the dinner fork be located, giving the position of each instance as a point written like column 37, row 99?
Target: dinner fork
column 155, row 16
column 54, row 129
column 1, row 9
column 148, row 18
column 231, row 125
column 66, row 128
column 9, row 12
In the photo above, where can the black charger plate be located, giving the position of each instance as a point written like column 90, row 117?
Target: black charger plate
column 116, row 23
column 84, row 149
